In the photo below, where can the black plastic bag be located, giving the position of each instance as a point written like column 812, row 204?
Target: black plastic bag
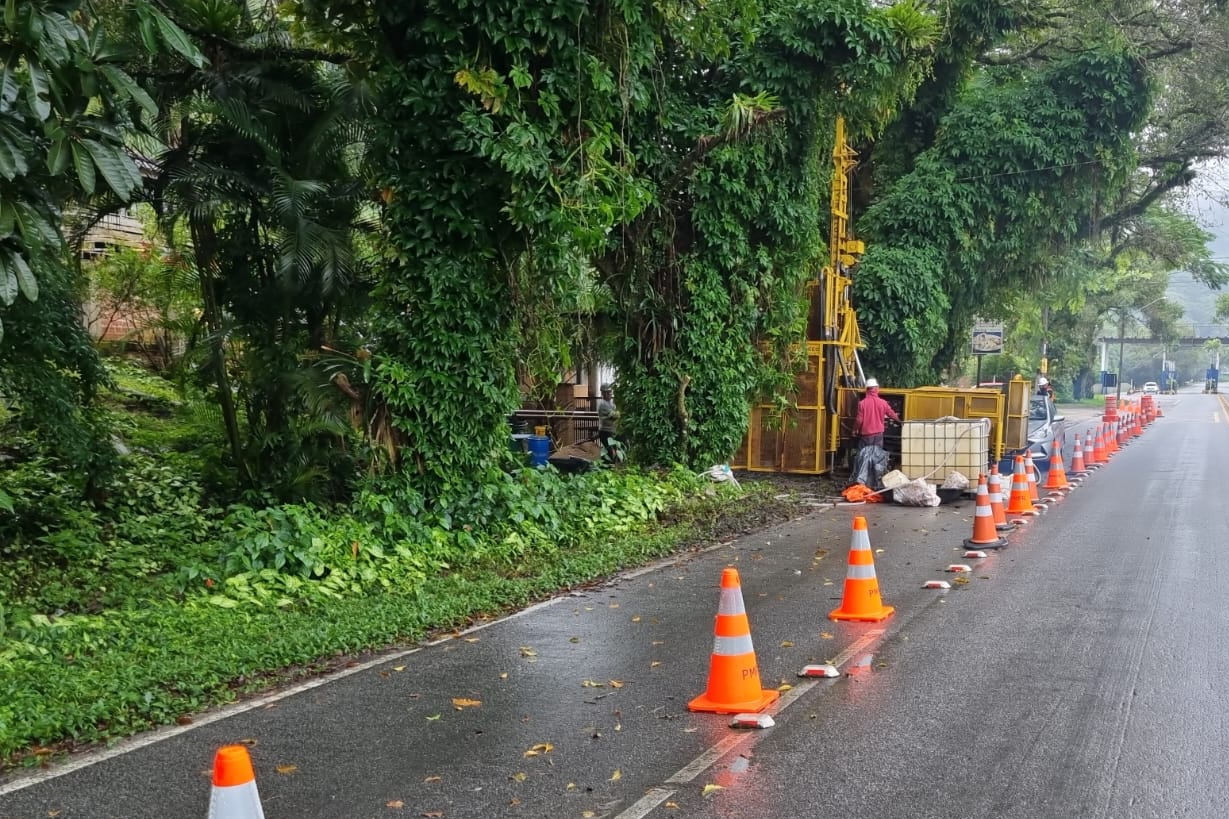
column 870, row 464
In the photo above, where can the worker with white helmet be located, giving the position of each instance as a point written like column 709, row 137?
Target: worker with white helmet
column 1043, row 387
column 872, row 412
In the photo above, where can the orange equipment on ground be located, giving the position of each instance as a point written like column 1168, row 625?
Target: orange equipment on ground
column 861, row 600
column 733, row 676
column 861, row 493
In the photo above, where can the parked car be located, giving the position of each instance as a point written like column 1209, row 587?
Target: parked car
column 1151, row 388
column 1046, row 435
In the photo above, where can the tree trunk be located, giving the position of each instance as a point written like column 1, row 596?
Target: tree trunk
column 204, row 243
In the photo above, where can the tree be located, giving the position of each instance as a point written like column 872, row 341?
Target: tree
column 261, row 164
column 66, row 104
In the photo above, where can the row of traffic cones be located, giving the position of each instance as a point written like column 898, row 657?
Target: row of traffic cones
column 733, row 678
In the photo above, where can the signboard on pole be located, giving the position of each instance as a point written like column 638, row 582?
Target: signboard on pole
column 987, row 337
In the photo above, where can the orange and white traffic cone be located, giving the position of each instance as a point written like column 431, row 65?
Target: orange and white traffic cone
column 1020, row 502
column 1030, row 470
column 985, row 535
column 1056, row 481
column 994, row 487
column 1099, row 455
column 1077, row 459
column 861, row 600
column 234, row 794
column 733, row 676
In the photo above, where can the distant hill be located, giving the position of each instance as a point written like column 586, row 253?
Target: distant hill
column 1198, row 304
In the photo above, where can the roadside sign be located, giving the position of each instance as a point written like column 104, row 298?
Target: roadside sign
column 987, row 337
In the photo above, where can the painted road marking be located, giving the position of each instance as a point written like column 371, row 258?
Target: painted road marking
column 656, row 796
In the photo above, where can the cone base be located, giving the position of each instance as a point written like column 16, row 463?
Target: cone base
column 1005, row 527
column 997, row 543
column 883, row 613
column 703, row 703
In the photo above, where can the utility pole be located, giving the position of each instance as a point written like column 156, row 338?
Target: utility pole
column 1122, row 328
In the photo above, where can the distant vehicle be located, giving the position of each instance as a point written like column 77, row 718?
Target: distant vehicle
column 1151, row 388
column 1046, row 435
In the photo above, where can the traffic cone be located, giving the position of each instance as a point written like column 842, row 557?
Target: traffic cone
column 1020, row 502
column 234, row 794
column 994, row 487
column 985, row 535
column 1077, row 458
column 1056, row 481
column 861, row 600
column 733, row 676
column 1030, row 471
column 1090, row 462
column 1099, row 455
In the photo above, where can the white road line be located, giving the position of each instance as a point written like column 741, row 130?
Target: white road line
column 645, row 804
column 697, row 766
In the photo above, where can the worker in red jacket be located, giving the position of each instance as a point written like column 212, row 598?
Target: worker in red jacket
column 872, row 412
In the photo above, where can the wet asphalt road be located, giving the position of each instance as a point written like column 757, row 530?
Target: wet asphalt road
column 1081, row 672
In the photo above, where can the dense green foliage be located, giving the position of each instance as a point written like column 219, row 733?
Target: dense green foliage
column 1014, row 175
column 382, row 225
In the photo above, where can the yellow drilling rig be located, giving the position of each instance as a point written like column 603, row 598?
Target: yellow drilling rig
column 811, row 435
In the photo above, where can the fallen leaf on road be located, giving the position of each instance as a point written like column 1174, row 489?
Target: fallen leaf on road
column 519, row 777
column 587, row 814
column 432, row 814
column 616, row 776
column 434, row 779
column 825, row 635
column 540, row 748
column 616, row 683
column 709, row 789
column 287, row 769
column 398, row 668
column 672, row 805
column 571, row 786
column 396, row 803
column 654, row 664
column 461, row 702
column 472, row 639
column 786, row 644
column 784, row 686
column 636, row 619
column 591, row 684
column 432, row 719
column 526, row 651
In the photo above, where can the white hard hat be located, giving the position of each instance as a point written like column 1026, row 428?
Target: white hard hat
column 1041, row 382
column 871, row 382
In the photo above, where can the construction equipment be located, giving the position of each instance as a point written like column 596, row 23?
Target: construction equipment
column 811, row 435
